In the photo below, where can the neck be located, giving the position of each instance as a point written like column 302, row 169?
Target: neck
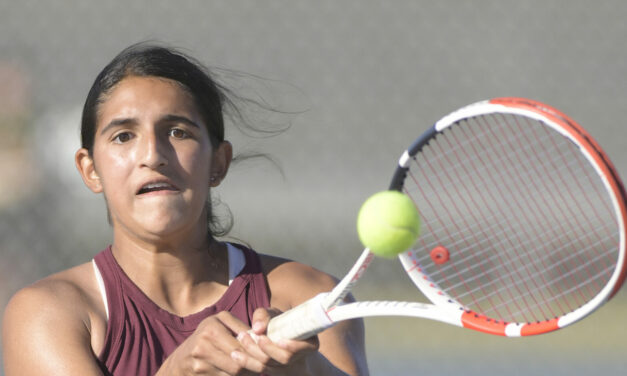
column 180, row 275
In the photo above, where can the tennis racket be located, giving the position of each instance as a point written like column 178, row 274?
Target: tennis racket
column 523, row 226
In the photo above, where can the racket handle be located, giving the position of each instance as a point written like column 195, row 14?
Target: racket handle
column 300, row 322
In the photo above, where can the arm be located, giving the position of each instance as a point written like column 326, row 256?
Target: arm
column 339, row 350
column 208, row 350
column 214, row 349
column 221, row 346
column 45, row 331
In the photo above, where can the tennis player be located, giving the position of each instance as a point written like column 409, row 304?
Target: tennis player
column 167, row 297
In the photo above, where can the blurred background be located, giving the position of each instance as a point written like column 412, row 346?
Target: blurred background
column 356, row 81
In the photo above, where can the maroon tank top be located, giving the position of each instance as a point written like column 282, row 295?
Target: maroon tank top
column 140, row 335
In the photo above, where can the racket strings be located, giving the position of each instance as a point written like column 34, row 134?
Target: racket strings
column 519, row 258
column 556, row 297
column 525, row 182
column 578, row 203
column 544, row 203
column 559, row 278
column 574, row 212
column 519, row 290
column 555, row 212
column 488, row 218
column 589, row 239
column 481, row 169
column 527, row 284
column 468, row 240
column 526, row 218
column 440, row 181
column 566, row 235
column 513, row 243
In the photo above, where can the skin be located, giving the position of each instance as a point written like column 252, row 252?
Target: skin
column 149, row 130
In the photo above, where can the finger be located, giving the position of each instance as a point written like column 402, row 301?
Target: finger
column 210, row 359
column 261, row 318
column 217, row 342
column 248, row 362
column 286, row 350
column 250, row 345
column 214, row 334
column 213, row 365
column 231, row 322
column 221, row 332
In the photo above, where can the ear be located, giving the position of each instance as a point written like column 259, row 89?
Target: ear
column 220, row 162
column 87, row 169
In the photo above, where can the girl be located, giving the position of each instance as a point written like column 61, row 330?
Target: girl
column 166, row 297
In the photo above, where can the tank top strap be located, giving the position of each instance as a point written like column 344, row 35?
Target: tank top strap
column 111, row 289
column 252, row 273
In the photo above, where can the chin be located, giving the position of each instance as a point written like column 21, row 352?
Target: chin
column 162, row 220
column 165, row 226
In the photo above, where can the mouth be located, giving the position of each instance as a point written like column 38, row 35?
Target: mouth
column 157, row 186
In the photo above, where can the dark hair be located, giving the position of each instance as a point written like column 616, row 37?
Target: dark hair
column 150, row 60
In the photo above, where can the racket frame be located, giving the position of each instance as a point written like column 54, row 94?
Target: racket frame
column 326, row 309
column 595, row 156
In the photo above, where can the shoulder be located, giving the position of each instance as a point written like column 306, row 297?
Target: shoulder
column 55, row 314
column 62, row 300
column 66, row 293
column 291, row 282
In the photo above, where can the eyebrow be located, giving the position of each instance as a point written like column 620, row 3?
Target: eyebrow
column 170, row 118
column 178, row 119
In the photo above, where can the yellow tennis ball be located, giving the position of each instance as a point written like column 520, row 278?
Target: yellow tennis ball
column 388, row 223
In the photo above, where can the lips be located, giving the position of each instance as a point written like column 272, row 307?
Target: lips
column 161, row 185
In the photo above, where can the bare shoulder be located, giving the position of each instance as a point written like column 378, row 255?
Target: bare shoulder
column 54, row 313
column 69, row 289
column 291, row 282
column 50, row 292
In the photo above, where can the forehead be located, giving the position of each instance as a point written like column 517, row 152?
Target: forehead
column 143, row 97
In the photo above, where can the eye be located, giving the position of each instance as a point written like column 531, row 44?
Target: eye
column 122, row 137
column 178, row 133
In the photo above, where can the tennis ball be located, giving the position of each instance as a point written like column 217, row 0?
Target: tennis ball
column 388, row 223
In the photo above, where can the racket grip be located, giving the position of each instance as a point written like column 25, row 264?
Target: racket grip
column 302, row 321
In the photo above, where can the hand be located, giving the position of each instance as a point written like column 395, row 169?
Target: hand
column 287, row 357
column 208, row 350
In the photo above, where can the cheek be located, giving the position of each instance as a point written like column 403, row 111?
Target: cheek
column 198, row 165
column 113, row 169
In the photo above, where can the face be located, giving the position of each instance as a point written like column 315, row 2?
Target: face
column 152, row 159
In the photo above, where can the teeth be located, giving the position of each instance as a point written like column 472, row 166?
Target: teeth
column 156, row 185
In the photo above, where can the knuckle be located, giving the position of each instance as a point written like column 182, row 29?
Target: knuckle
column 196, row 352
column 198, row 366
column 209, row 332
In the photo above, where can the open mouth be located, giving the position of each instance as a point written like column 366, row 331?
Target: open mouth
column 156, row 187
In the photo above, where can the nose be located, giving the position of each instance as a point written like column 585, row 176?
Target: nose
column 153, row 153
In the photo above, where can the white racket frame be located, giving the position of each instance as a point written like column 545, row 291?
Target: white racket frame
column 326, row 309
